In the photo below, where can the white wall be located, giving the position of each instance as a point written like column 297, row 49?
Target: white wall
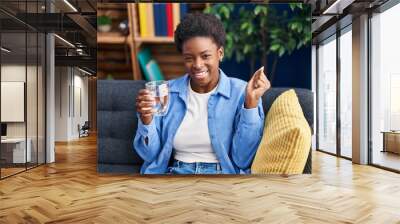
column 62, row 81
column 71, row 94
column 13, row 73
column 33, row 127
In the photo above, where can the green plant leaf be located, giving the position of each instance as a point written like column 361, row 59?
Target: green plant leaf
column 104, row 20
column 275, row 47
column 291, row 44
column 244, row 26
column 257, row 10
column 225, row 11
column 250, row 29
column 246, row 48
column 281, row 51
column 299, row 27
column 263, row 29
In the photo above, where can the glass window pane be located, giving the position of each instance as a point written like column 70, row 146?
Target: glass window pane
column 346, row 94
column 13, row 86
column 327, row 96
column 22, row 63
column 385, row 84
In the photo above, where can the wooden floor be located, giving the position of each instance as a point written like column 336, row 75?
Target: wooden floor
column 70, row 191
column 10, row 171
column 5, row 172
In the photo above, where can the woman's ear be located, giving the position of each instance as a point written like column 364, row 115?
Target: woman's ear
column 221, row 53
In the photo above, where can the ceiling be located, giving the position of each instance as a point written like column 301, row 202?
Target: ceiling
column 330, row 15
column 72, row 20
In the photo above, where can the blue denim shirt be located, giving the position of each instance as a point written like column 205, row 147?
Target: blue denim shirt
column 235, row 131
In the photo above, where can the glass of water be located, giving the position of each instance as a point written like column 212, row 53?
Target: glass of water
column 160, row 91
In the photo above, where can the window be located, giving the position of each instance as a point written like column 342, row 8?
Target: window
column 385, row 86
column 346, row 93
column 22, row 75
column 327, row 96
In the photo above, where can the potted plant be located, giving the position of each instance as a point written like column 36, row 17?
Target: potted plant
column 104, row 23
column 260, row 31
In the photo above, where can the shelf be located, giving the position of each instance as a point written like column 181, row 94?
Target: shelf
column 113, row 46
column 111, row 38
column 155, row 39
column 117, row 38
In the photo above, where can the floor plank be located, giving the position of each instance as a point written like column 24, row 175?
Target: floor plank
column 70, row 191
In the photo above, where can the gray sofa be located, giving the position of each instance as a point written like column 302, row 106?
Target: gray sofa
column 117, row 123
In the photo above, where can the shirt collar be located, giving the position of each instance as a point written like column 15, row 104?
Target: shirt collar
column 180, row 85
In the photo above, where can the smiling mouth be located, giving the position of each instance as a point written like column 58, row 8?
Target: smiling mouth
column 200, row 75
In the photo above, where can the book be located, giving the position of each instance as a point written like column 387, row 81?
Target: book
column 175, row 15
column 170, row 31
column 143, row 27
column 151, row 70
column 184, row 8
column 160, row 21
column 150, row 19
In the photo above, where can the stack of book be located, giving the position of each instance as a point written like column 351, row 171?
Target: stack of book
column 160, row 19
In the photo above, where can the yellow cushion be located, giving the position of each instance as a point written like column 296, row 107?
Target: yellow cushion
column 286, row 141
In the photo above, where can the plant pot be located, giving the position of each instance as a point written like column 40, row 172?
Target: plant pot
column 104, row 28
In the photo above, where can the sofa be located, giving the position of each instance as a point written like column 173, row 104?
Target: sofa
column 117, row 123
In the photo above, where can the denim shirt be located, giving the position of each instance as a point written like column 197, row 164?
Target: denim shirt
column 235, row 131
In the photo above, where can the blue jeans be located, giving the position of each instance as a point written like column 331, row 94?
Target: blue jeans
column 180, row 167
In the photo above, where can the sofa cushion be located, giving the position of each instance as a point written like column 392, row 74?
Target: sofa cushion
column 286, row 141
column 117, row 124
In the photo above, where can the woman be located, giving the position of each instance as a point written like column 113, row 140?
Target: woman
column 214, row 123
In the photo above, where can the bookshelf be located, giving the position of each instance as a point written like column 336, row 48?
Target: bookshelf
column 162, row 47
column 113, row 55
column 111, row 38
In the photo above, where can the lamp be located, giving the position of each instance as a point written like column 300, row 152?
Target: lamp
column 5, row 50
column 84, row 71
column 70, row 5
column 65, row 41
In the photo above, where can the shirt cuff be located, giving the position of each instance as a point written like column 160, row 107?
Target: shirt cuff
column 144, row 129
column 250, row 116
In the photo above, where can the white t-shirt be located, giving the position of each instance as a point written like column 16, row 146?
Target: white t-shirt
column 192, row 141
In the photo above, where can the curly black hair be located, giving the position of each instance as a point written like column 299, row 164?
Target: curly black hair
column 199, row 25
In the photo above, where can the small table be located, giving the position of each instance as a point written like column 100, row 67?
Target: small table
column 391, row 141
column 16, row 147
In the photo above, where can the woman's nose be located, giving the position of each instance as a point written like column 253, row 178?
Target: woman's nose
column 198, row 64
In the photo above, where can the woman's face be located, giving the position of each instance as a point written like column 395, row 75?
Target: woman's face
column 201, row 57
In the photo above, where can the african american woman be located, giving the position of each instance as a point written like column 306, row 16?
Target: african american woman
column 214, row 123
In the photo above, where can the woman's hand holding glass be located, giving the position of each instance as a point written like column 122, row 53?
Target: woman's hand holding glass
column 153, row 100
column 145, row 102
column 256, row 87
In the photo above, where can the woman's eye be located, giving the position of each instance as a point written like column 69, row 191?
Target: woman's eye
column 206, row 56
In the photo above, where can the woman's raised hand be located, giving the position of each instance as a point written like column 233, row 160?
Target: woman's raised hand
column 256, row 87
